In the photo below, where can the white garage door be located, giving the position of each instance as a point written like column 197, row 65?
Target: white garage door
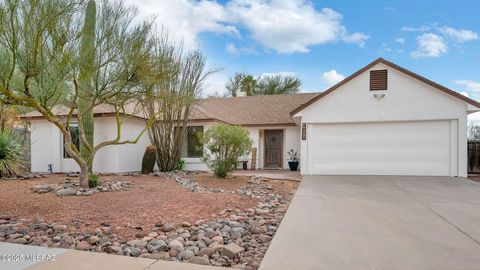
column 389, row 148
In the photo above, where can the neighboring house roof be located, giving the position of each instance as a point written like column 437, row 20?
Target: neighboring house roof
column 396, row 67
column 246, row 111
column 251, row 110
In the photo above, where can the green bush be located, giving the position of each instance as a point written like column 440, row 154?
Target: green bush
column 225, row 144
column 149, row 158
column 180, row 165
column 93, row 180
column 11, row 154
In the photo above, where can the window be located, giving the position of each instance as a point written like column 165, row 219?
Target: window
column 195, row 142
column 378, row 80
column 75, row 139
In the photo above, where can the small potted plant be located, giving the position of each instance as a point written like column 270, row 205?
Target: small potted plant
column 293, row 159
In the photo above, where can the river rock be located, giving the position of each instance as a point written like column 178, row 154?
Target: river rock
column 231, row 250
column 199, row 260
column 66, row 192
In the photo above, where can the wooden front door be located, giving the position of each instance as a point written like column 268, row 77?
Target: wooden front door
column 273, row 149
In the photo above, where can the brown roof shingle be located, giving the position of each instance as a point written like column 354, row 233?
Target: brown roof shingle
column 246, row 111
column 251, row 110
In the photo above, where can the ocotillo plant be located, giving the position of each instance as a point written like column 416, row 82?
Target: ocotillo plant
column 87, row 54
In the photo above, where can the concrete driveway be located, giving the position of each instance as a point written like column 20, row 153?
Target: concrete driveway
column 379, row 222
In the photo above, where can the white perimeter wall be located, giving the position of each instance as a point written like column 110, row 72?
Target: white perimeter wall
column 406, row 99
column 47, row 147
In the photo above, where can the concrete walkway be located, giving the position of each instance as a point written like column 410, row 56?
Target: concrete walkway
column 379, row 222
column 81, row 260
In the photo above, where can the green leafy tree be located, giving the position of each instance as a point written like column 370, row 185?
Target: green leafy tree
column 263, row 85
column 225, row 144
column 234, row 84
column 249, row 85
column 278, row 84
column 241, row 82
column 41, row 59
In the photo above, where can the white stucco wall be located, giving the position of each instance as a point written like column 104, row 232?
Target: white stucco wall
column 47, row 147
column 406, row 99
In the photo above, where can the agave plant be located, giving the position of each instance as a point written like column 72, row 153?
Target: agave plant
column 11, row 157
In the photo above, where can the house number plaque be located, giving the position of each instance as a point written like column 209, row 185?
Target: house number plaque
column 304, row 131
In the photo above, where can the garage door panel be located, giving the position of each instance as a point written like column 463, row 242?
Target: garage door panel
column 395, row 148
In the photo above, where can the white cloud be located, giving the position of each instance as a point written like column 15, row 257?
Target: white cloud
column 291, row 26
column 469, row 85
column 429, row 45
column 474, row 117
column 330, row 78
column 400, row 40
column 464, row 93
column 185, row 19
column 422, row 28
column 233, row 49
column 215, row 84
column 357, row 38
column 459, row 35
column 385, row 49
column 285, row 26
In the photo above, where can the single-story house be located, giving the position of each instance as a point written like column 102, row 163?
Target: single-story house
column 381, row 120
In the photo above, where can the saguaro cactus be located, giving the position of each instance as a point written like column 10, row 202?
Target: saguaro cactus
column 87, row 55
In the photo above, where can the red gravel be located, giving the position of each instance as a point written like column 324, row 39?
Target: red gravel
column 151, row 199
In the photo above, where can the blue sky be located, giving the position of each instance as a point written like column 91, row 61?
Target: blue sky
column 323, row 41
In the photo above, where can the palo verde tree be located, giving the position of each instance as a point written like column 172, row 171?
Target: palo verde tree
column 41, row 64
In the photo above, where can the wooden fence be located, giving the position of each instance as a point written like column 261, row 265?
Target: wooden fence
column 474, row 157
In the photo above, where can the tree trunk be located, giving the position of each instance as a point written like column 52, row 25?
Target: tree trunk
column 84, row 174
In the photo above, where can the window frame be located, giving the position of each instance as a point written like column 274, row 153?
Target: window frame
column 191, row 153
column 76, row 141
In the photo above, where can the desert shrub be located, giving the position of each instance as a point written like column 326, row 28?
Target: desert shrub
column 180, row 165
column 225, row 144
column 93, row 180
column 11, row 154
column 149, row 158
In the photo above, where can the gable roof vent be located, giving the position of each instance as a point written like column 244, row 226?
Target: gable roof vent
column 378, row 80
